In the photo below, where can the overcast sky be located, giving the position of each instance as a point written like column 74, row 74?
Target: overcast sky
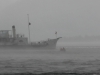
column 67, row 17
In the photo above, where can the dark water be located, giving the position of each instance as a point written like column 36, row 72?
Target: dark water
column 74, row 59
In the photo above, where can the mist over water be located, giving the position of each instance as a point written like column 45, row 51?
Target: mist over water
column 79, row 20
column 74, row 59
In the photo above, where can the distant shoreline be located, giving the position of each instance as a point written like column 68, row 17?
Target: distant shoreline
column 80, row 39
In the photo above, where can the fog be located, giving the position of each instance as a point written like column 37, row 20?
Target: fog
column 67, row 17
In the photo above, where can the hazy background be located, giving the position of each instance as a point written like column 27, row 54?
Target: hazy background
column 67, row 17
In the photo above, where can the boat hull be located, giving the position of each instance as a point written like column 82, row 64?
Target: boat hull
column 50, row 44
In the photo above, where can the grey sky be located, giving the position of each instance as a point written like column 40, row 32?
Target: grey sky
column 67, row 17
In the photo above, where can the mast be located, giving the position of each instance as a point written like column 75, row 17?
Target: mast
column 29, row 27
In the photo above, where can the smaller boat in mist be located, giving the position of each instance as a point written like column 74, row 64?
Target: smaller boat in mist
column 62, row 49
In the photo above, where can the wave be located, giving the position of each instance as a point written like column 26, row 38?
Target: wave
column 44, row 67
column 51, row 73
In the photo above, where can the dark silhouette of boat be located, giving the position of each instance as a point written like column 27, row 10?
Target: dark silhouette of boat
column 62, row 49
column 20, row 41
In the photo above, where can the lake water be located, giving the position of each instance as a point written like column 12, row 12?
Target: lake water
column 74, row 59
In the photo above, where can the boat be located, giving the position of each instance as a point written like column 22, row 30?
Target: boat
column 62, row 49
column 14, row 40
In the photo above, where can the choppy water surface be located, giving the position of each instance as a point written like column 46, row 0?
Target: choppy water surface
column 75, row 59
